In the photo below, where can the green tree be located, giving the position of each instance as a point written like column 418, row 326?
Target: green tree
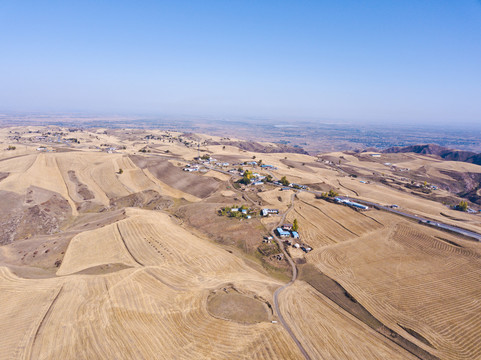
column 246, row 178
column 463, row 206
column 284, row 181
column 121, row 171
column 248, row 174
column 295, row 225
column 332, row 193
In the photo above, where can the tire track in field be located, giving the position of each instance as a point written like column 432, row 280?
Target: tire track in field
column 380, row 223
column 345, row 187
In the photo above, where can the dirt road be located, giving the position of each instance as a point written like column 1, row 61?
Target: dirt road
column 294, row 277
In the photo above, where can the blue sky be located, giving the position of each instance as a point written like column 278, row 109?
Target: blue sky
column 396, row 60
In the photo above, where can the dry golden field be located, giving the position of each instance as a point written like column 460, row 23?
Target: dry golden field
column 108, row 249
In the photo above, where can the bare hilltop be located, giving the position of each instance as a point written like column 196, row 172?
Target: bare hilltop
column 155, row 244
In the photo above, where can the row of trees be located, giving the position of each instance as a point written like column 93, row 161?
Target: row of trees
column 332, row 193
column 227, row 211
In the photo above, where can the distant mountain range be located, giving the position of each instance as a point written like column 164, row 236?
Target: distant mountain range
column 433, row 149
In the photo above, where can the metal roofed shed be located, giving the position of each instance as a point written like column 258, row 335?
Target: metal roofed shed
column 283, row 233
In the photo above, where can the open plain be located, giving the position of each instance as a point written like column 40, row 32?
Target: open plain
column 149, row 244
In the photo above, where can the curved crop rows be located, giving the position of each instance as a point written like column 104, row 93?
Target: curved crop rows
column 24, row 303
column 331, row 333
column 94, row 248
column 154, row 310
column 323, row 223
column 410, row 280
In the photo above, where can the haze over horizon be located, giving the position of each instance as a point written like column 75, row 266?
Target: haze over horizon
column 399, row 62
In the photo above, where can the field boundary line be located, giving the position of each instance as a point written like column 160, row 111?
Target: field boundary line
column 126, row 247
column 29, row 352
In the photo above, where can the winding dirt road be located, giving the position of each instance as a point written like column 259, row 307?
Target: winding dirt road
column 294, row 277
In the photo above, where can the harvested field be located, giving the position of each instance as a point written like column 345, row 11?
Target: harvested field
column 417, row 278
column 133, row 307
column 94, row 248
column 323, row 223
column 217, row 175
column 276, row 199
column 108, row 250
column 331, row 333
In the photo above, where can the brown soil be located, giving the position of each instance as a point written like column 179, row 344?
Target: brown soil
column 82, row 189
column 40, row 212
column 416, row 335
column 256, row 147
column 104, row 269
column 148, row 199
column 297, row 165
column 163, row 170
column 244, row 233
column 320, row 187
column 452, row 217
column 41, row 255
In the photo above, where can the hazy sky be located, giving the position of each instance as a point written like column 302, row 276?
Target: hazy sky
column 392, row 60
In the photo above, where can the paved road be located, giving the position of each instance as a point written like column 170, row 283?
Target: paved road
column 429, row 222
column 294, row 277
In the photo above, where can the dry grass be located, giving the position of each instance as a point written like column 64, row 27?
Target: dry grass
column 331, row 333
column 159, row 307
column 149, row 284
column 232, row 305
column 409, row 279
column 323, row 223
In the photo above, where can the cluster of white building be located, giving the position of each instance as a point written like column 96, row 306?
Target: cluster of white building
column 267, row 212
column 351, row 203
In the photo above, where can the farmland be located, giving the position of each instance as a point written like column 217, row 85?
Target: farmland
column 108, row 249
